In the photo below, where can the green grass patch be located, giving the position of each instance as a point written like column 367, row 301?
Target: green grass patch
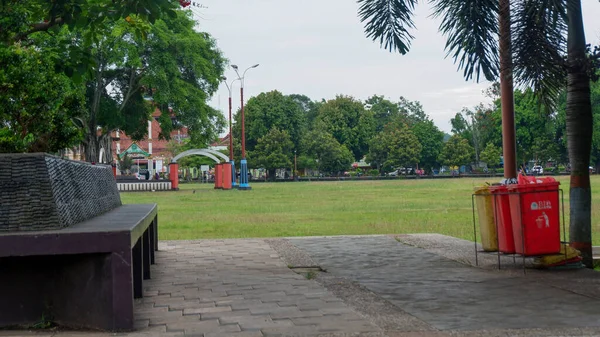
column 442, row 206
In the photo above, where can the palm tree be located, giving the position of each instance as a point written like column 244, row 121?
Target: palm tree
column 537, row 47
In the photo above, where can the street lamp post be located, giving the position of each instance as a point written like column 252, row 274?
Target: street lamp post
column 244, row 164
column 233, row 178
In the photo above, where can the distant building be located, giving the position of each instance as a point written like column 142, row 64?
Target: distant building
column 155, row 147
column 151, row 152
column 221, row 144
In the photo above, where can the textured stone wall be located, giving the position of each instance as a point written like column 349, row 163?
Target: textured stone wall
column 40, row 192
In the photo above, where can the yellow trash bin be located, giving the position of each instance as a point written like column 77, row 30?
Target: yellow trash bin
column 487, row 225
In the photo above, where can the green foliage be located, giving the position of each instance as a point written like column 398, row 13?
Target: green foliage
column 182, row 69
column 349, row 123
column 378, row 151
column 272, row 151
column 392, row 148
column 37, row 105
column 403, row 147
column 431, row 140
column 383, row 111
column 304, row 162
column 176, row 66
column 271, row 110
column 491, row 155
column 310, row 108
column 330, row 156
column 456, row 152
column 22, row 20
column 125, row 163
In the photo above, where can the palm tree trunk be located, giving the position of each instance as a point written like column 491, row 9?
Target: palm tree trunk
column 579, row 122
column 507, row 92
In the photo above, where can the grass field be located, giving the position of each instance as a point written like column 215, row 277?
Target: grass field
column 325, row 208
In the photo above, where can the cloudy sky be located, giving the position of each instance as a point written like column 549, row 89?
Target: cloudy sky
column 318, row 48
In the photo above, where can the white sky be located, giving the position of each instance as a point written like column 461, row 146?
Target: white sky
column 318, row 48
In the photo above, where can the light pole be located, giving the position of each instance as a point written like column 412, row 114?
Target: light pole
column 295, row 165
column 244, row 164
column 233, row 180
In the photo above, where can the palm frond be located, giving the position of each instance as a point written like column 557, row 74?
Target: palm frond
column 471, row 27
column 389, row 22
column 539, row 47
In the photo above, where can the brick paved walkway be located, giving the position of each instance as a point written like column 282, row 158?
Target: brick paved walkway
column 237, row 287
column 243, row 288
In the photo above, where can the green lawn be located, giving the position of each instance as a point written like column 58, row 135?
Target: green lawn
column 324, row 208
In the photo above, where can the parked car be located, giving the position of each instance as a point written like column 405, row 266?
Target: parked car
column 537, row 170
column 407, row 170
column 393, row 173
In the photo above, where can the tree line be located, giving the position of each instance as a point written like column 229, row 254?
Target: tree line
column 329, row 135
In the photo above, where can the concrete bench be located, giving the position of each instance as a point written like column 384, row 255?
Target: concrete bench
column 70, row 252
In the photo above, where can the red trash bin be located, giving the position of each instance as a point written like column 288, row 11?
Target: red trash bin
column 506, row 242
column 226, row 176
column 218, row 179
column 536, row 218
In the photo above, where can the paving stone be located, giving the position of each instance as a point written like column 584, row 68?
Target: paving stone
column 243, row 304
column 447, row 294
column 234, row 334
column 190, row 325
column 305, row 330
column 256, row 322
column 291, row 312
column 224, row 314
column 191, row 305
column 174, row 319
column 158, row 314
column 139, row 324
column 193, row 311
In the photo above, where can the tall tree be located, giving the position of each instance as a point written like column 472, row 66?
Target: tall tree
column 580, row 125
column 330, row 156
column 383, row 111
column 539, row 49
column 456, row 152
column 271, row 110
column 432, row 141
column 310, row 107
column 273, row 151
column 404, row 148
column 349, row 123
column 177, row 67
column 491, row 155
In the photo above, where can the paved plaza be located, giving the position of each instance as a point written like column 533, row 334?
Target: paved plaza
column 414, row 285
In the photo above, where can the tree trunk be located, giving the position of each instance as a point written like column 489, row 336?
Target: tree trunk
column 272, row 174
column 93, row 146
column 580, row 123
column 507, row 92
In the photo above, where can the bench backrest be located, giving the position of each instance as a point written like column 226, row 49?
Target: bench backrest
column 43, row 192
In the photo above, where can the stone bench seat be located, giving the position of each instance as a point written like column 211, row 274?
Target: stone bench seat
column 86, row 275
column 70, row 252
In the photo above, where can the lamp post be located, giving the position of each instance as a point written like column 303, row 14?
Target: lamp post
column 233, row 180
column 244, row 164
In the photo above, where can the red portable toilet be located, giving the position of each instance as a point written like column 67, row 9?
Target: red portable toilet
column 226, row 175
column 218, row 175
